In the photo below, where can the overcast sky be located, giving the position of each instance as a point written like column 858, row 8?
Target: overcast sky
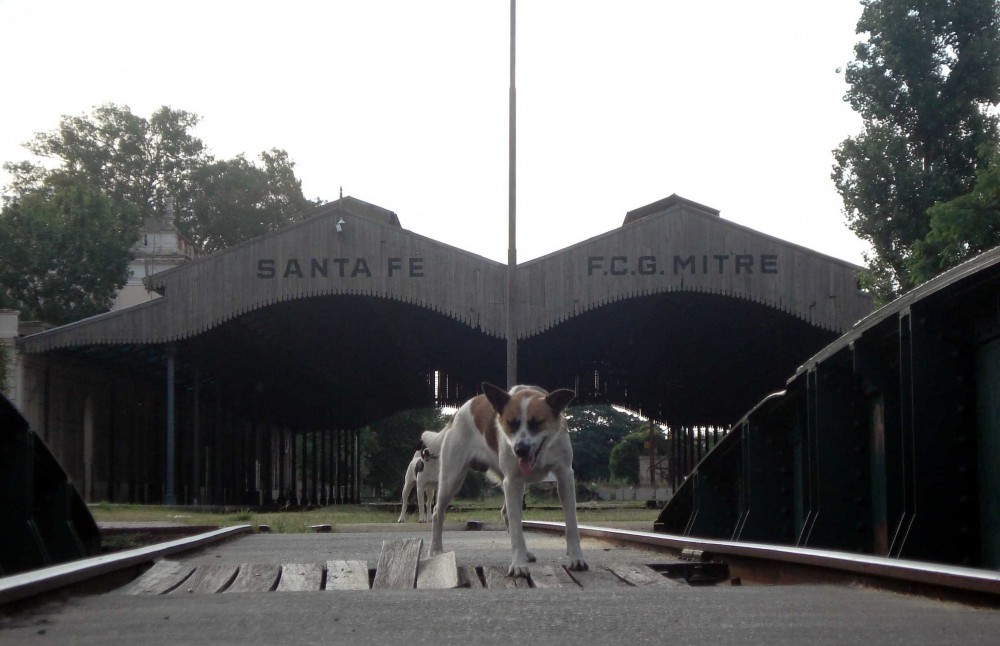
column 404, row 104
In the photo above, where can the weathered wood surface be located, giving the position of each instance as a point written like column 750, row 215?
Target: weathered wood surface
column 397, row 565
column 300, row 577
column 551, row 576
column 207, row 579
column 346, row 575
column 597, row 577
column 399, row 568
column 680, row 248
column 469, row 578
column 638, row 575
column 438, row 572
column 497, row 579
column 255, row 577
column 163, row 577
column 683, row 248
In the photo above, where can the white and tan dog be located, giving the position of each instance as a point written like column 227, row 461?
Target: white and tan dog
column 519, row 436
column 422, row 473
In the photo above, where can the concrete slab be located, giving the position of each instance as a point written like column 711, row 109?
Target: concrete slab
column 816, row 615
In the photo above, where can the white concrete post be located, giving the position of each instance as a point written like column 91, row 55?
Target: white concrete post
column 8, row 336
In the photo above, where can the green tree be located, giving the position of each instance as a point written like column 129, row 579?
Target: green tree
column 64, row 250
column 960, row 229
column 236, row 200
column 121, row 168
column 595, row 430
column 131, row 159
column 624, row 460
column 923, row 80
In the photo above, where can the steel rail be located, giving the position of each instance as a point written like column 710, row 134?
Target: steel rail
column 952, row 577
column 28, row 584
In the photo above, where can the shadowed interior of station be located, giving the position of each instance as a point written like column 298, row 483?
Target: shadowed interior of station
column 347, row 361
column 340, row 361
column 356, row 359
column 683, row 358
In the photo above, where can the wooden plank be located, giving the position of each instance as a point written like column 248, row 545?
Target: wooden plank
column 397, row 565
column 300, row 577
column 346, row 575
column 27, row 584
column 255, row 577
column 638, row 575
column 469, row 578
column 598, row 577
column 497, row 579
column 163, row 577
column 438, row 572
column 551, row 576
column 207, row 579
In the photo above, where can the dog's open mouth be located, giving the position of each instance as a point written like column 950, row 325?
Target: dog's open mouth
column 527, row 464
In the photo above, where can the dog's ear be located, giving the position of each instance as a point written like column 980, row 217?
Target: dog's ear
column 558, row 400
column 418, row 467
column 497, row 396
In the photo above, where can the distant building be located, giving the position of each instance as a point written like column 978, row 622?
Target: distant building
column 160, row 247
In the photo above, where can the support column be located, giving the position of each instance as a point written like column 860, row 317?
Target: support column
column 295, row 469
column 196, row 440
column 169, row 497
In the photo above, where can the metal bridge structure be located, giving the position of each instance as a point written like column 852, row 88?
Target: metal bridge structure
column 886, row 442
column 45, row 519
column 247, row 380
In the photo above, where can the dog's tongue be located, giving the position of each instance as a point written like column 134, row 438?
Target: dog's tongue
column 525, row 464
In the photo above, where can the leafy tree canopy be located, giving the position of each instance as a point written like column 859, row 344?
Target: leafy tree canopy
column 64, row 250
column 962, row 228
column 595, row 430
column 131, row 159
column 109, row 171
column 236, row 200
column 624, row 461
column 923, row 80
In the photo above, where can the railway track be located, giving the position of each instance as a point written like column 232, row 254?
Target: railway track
column 756, row 563
column 691, row 560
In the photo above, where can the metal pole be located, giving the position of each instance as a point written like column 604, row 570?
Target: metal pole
column 652, row 455
column 512, row 216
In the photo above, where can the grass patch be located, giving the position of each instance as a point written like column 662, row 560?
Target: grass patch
column 244, row 515
column 299, row 521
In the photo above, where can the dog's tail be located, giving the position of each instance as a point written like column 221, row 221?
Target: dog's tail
column 432, row 440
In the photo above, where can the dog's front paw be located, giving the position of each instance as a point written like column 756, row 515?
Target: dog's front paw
column 516, row 570
column 531, row 557
column 577, row 565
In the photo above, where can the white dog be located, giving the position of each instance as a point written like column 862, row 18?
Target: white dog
column 519, row 436
column 422, row 472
